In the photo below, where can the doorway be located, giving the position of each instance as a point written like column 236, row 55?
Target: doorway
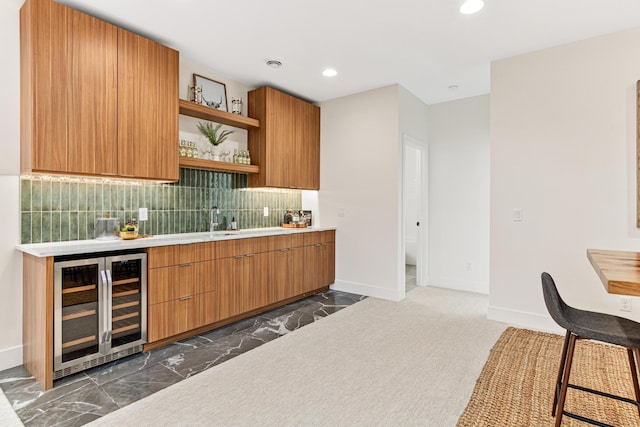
column 415, row 212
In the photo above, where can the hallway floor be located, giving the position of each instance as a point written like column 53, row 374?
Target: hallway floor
column 410, row 277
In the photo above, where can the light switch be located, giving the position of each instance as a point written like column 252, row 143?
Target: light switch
column 341, row 212
column 266, row 211
column 517, row 214
column 142, row 214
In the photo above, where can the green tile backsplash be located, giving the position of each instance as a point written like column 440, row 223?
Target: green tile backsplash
column 57, row 209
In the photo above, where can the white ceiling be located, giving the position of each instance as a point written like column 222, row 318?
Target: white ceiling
column 424, row 45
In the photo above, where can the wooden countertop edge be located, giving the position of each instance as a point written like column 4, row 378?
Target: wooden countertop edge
column 617, row 286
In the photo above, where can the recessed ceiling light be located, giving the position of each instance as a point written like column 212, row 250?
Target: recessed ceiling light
column 471, row 6
column 329, row 72
column 274, row 63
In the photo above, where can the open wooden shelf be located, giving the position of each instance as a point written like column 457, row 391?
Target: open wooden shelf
column 188, row 108
column 189, row 162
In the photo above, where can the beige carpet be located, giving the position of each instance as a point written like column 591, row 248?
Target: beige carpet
column 517, row 382
column 8, row 418
column 375, row 363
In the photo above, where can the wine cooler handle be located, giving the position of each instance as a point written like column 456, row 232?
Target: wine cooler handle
column 109, row 292
column 104, row 287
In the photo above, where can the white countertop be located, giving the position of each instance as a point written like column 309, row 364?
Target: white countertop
column 88, row 246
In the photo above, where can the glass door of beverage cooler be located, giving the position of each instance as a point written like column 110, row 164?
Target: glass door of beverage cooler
column 78, row 322
column 126, row 297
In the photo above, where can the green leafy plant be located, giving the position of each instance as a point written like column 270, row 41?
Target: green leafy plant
column 213, row 134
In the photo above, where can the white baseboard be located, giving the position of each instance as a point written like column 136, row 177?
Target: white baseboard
column 524, row 319
column 368, row 290
column 10, row 357
column 459, row 285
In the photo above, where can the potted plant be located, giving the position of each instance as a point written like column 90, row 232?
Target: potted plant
column 214, row 135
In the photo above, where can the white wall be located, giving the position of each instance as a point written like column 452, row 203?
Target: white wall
column 359, row 174
column 563, row 137
column 459, row 194
column 10, row 259
column 361, row 177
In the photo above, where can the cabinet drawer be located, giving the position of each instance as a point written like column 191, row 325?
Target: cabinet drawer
column 328, row 236
column 163, row 256
column 312, row 238
column 169, row 283
column 181, row 315
column 237, row 247
column 283, row 241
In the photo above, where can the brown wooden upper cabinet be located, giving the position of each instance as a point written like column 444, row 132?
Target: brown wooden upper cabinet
column 95, row 99
column 286, row 146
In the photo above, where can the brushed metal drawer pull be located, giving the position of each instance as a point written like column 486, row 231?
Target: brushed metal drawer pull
column 284, row 250
column 186, row 265
column 239, row 256
column 318, row 244
column 250, row 255
column 186, row 298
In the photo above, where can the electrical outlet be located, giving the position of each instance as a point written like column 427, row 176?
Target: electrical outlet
column 266, row 211
column 625, row 304
column 517, row 214
column 467, row 266
column 143, row 214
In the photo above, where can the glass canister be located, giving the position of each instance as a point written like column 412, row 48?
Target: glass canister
column 106, row 229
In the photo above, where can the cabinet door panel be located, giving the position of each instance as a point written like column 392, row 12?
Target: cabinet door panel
column 167, row 319
column 147, row 108
column 255, row 283
column 280, row 160
column 279, row 283
column 312, row 268
column 330, row 263
column 45, row 75
column 228, row 286
column 201, row 310
column 93, row 85
column 307, row 145
column 296, row 271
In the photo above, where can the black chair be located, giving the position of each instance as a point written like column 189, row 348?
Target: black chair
column 593, row 326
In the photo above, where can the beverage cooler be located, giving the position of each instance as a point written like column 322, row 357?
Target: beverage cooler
column 100, row 308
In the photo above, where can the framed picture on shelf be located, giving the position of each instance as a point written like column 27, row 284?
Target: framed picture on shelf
column 214, row 94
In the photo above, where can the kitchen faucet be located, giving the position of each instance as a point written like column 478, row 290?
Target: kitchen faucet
column 213, row 218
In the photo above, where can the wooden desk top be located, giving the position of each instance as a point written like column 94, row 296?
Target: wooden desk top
column 618, row 270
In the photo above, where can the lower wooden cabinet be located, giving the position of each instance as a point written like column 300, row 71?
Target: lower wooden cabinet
column 191, row 286
column 319, row 259
column 287, row 274
column 242, row 272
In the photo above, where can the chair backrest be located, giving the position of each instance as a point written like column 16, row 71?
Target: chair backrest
column 556, row 306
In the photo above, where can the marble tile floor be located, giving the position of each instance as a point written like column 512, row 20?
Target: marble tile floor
column 83, row 397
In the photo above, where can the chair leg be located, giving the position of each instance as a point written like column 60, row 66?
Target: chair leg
column 565, row 378
column 563, row 362
column 634, row 375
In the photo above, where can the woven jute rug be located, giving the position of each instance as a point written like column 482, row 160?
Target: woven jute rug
column 516, row 385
